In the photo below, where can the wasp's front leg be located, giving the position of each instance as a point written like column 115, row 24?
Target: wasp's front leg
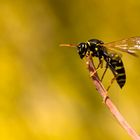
column 100, row 65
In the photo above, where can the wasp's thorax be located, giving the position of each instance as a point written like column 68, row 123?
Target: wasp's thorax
column 93, row 46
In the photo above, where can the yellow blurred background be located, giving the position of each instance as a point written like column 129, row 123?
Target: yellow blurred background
column 45, row 90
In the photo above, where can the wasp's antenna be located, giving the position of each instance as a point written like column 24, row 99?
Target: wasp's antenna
column 68, row 45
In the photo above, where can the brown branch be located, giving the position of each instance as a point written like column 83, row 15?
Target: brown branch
column 102, row 91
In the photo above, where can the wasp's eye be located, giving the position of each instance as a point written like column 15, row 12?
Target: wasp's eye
column 82, row 49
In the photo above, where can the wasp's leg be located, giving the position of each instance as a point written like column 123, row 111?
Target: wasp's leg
column 100, row 65
column 113, row 79
column 104, row 72
column 106, row 96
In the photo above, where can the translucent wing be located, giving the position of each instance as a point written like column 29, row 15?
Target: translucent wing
column 113, row 54
column 129, row 45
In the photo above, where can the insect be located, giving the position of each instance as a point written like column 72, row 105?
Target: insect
column 109, row 53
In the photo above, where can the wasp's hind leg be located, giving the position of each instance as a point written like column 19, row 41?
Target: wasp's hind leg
column 113, row 79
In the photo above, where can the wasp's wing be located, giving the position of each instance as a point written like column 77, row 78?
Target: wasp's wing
column 128, row 45
column 113, row 54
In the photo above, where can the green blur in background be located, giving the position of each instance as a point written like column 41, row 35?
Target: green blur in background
column 45, row 90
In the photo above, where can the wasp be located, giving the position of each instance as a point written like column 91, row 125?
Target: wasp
column 109, row 52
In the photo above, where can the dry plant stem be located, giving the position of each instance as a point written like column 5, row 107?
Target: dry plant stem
column 102, row 91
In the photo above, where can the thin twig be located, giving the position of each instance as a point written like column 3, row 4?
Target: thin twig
column 113, row 109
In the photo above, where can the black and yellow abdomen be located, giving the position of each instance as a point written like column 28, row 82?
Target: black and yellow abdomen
column 116, row 65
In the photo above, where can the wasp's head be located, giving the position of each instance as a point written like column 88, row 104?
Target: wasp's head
column 82, row 49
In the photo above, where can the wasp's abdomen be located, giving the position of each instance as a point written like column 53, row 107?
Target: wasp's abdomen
column 117, row 67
